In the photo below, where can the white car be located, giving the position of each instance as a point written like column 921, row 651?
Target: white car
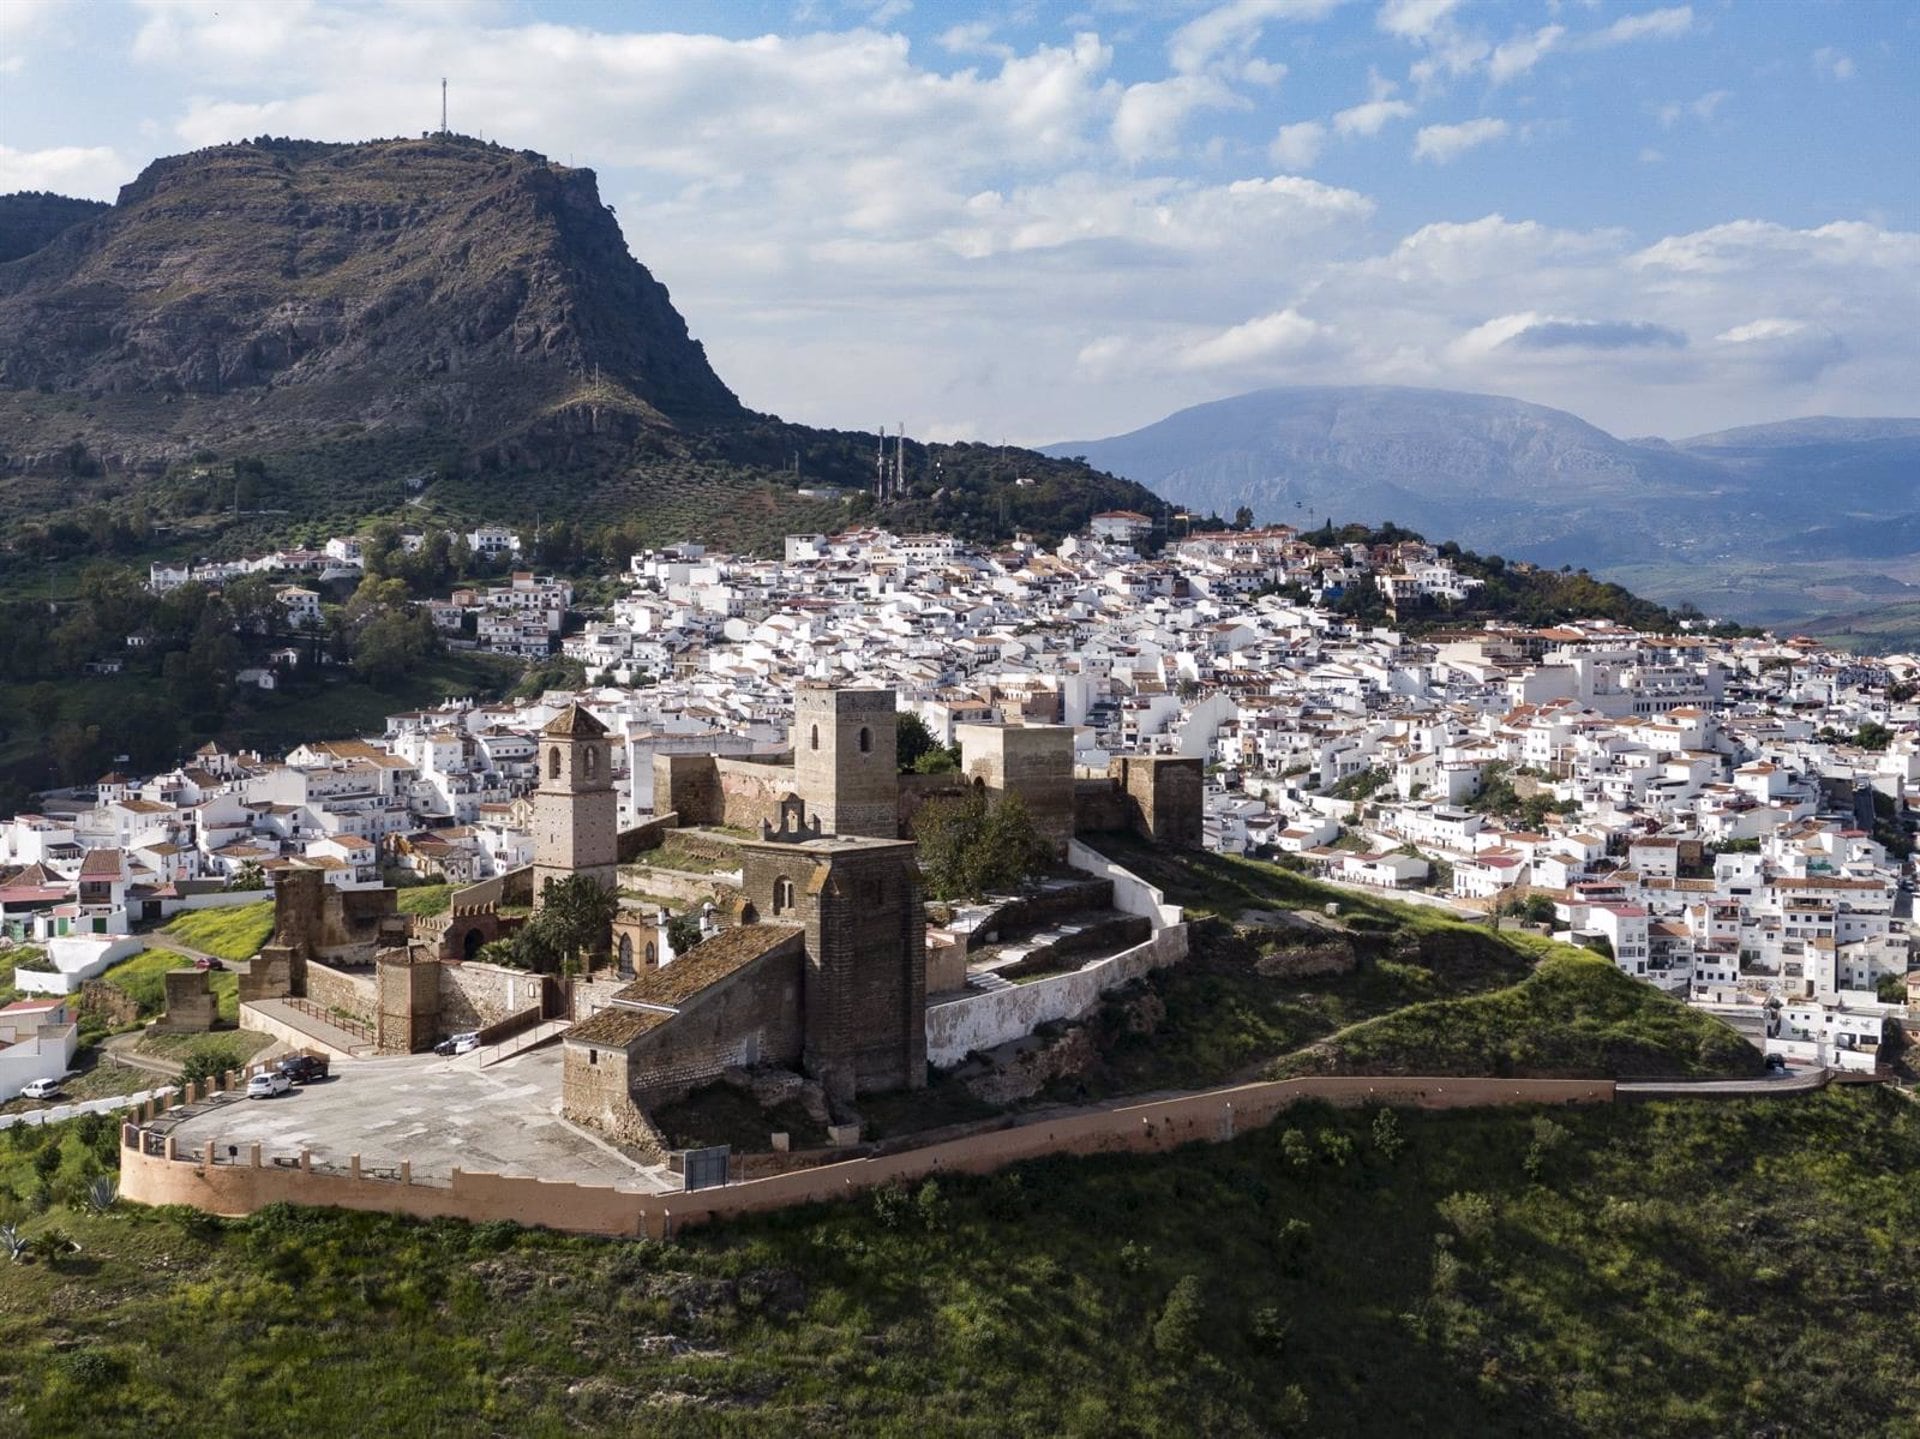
column 268, row 1083
column 41, row 1089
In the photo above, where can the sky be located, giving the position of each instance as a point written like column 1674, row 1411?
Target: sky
column 1028, row 222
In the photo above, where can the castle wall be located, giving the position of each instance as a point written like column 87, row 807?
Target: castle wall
column 866, row 976
column 1155, row 1126
column 473, row 996
column 1032, row 761
column 1165, row 796
column 408, row 997
column 349, row 993
column 191, row 1005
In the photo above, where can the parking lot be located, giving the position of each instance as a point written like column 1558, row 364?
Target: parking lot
column 438, row 1114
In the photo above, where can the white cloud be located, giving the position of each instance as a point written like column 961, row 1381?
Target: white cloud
column 975, row 38
column 1370, row 117
column 1832, row 64
column 1150, row 115
column 1441, row 143
column 1521, row 54
column 1235, row 27
column 853, row 232
column 1703, row 109
column 1297, row 147
column 88, row 172
column 1415, row 19
column 1668, row 24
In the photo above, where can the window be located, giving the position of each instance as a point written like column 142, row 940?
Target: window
column 553, row 763
column 782, row 895
column 593, row 1056
column 592, row 758
column 866, row 740
column 814, row 741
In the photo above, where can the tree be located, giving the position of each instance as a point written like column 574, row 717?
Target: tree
column 912, row 739
column 684, row 932
column 578, row 915
column 969, row 846
column 248, row 877
column 1243, row 518
column 1873, row 736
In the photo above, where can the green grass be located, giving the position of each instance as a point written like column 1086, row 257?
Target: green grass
column 11, row 959
column 1575, row 1015
column 1663, row 1271
column 242, row 1043
column 425, row 899
column 232, row 934
column 142, row 978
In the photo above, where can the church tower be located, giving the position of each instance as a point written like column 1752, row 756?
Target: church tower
column 845, row 759
column 575, row 811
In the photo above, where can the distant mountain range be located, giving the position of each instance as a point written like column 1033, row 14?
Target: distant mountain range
column 1501, row 475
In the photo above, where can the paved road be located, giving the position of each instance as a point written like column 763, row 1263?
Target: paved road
column 1790, row 1082
column 439, row 1114
column 54, row 1113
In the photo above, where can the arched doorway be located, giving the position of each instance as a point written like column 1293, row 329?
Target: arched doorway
column 626, row 956
column 470, row 946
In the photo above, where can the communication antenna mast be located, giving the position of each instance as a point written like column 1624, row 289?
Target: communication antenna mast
column 443, row 104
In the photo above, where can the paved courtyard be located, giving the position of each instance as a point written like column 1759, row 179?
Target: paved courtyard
column 441, row 1114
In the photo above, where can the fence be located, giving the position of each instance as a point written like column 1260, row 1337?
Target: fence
column 337, row 1018
column 171, row 1177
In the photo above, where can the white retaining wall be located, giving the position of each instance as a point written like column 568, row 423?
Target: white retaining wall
column 80, row 957
column 1131, row 894
column 981, row 1021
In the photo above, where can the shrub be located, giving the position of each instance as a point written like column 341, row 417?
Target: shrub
column 1269, row 1329
column 1295, row 1149
column 92, row 1368
column 1336, row 1146
column 1134, row 1256
column 931, row 1206
column 891, row 1206
column 1387, row 1138
column 1470, row 1214
column 1176, row 1333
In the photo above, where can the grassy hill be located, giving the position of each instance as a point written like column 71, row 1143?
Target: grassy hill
column 1653, row 1270
column 1576, row 1014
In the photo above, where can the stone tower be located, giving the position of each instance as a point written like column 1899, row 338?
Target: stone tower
column 575, row 811
column 845, row 759
column 864, row 984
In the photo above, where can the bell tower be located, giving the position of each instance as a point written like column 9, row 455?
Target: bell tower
column 575, row 811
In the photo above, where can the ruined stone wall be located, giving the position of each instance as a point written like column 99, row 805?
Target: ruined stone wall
column 750, row 1017
column 642, row 837
column 687, row 785
column 750, row 793
column 1165, row 796
column 1099, row 807
column 1032, row 761
column 473, row 996
column 191, row 1005
column 918, row 790
column 352, row 994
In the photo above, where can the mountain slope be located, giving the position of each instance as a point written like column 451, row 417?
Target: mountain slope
column 1501, row 474
column 30, row 218
column 344, row 318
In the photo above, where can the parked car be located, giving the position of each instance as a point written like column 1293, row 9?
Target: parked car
column 458, row 1044
column 303, row 1068
column 41, row 1089
column 268, row 1083
column 207, row 961
column 1776, row 1064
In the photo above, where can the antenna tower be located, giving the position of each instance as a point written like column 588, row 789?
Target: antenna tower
column 443, row 104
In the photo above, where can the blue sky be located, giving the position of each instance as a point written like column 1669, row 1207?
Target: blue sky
column 1037, row 222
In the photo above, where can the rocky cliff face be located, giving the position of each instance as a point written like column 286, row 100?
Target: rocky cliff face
column 290, row 284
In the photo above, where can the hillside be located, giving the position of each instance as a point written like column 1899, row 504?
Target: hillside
column 1655, row 1269
column 30, row 218
column 278, row 331
column 1526, row 481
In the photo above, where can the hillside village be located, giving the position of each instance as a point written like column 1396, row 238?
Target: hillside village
column 1726, row 818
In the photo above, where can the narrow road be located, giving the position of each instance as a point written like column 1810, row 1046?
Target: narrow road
column 120, row 1049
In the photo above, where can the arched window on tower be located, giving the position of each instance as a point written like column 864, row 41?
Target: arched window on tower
column 553, row 763
column 813, row 740
column 866, row 740
column 782, row 895
column 591, row 759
